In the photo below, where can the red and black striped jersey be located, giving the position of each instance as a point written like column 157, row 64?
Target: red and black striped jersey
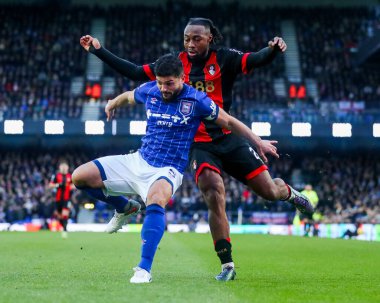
column 64, row 182
column 214, row 75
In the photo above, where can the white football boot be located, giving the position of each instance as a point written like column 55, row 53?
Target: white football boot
column 140, row 276
column 120, row 219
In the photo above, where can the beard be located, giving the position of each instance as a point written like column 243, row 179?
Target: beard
column 198, row 56
column 170, row 97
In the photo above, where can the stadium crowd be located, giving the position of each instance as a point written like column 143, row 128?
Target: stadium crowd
column 40, row 55
column 328, row 46
column 348, row 187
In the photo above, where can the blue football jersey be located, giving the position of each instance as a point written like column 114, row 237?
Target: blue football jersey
column 171, row 126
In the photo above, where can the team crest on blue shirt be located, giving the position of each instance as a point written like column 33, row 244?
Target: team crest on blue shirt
column 186, row 107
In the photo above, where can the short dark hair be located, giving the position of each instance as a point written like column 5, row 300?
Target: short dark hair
column 168, row 65
column 207, row 23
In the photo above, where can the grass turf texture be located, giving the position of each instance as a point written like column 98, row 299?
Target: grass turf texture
column 96, row 267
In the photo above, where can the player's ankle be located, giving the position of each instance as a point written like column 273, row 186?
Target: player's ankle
column 229, row 264
column 224, row 251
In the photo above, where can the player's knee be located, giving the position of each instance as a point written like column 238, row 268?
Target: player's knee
column 212, row 187
column 157, row 198
column 77, row 177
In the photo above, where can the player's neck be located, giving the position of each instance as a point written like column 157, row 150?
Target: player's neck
column 175, row 96
column 200, row 58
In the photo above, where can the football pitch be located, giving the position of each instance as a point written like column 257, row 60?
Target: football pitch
column 96, row 267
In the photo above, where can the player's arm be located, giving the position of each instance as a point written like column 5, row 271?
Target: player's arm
column 266, row 55
column 127, row 98
column 124, row 67
column 263, row 146
column 53, row 182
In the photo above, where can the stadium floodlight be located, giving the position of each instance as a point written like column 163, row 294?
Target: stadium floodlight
column 137, row 127
column 300, row 129
column 261, row 128
column 376, row 130
column 13, row 127
column 54, row 127
column 342, row 130
column 94, row 128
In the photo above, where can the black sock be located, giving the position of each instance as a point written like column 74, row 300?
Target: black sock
column 223, row 250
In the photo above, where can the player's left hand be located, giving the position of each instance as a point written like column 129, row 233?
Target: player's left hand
column 267, row 147
column 279, row 42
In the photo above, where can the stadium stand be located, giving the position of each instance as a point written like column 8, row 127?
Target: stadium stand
column 40, row 56
column 38, row 60
column 24, row 195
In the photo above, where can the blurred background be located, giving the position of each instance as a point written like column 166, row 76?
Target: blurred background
column 320, row 100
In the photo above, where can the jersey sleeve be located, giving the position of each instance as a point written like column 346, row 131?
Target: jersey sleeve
column 207, row 109
column 237, row 60
column 140, row 94
column 149, row 71
column 149, row 68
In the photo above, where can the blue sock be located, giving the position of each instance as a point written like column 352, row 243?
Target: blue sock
column 119, row 202
column 151, row 234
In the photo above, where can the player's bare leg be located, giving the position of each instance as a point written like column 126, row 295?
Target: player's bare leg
column 211, row 185
column 276, row 189
column 88, row 177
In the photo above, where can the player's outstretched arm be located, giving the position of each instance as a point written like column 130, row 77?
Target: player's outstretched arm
column 264, row 147
column 121, row 100
column 266, row 55
column 124, row 67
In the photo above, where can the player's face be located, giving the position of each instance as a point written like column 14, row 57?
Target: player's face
column 169, row 86
column 63, row 168
column 196, row 40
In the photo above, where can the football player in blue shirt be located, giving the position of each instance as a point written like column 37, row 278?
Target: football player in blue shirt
column 174, row 111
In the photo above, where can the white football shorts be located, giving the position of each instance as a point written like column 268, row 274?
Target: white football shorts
column 131, row 174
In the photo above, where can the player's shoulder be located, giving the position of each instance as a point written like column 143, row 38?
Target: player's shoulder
column 147, row 86
column 177, row 53
column 189, row 91
column 194, row 94
column 227, row 51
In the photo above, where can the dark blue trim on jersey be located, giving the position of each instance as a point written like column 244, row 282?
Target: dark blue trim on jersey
column 101, row 170
column 217, row 113
column 167, row 179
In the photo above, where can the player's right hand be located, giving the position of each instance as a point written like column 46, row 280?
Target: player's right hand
column 87, row 40
column 267, row 147
column 279, row 42
column 110, row 109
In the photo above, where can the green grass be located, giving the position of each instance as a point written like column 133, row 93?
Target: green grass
column 95, row 267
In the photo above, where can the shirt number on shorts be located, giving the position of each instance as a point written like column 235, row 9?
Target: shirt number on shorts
column 254, row 153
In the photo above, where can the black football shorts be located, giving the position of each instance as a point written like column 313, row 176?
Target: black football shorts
column 231, row 154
